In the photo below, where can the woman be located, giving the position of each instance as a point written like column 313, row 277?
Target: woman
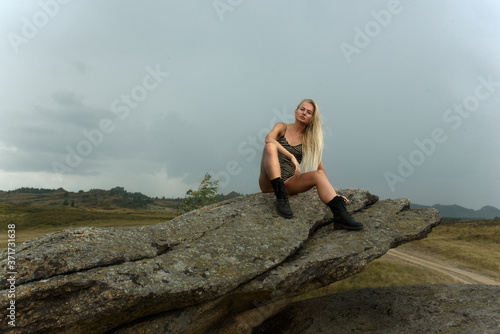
column 280, row 171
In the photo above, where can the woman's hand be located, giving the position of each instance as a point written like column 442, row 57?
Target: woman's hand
column 345, row 198
column 296, row 165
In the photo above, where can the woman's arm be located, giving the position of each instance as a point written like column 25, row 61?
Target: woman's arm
column 277, row 131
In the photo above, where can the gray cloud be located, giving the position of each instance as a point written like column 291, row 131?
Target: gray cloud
column 74, row 88
column 81, row 67
column 67, row 98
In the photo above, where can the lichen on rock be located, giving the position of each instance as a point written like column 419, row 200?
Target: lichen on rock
column 205, row 271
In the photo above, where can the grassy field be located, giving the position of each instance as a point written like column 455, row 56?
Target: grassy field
column 33, row 221
column 472, row 244
column 384, row 271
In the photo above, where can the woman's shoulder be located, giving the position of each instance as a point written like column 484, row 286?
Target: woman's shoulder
column 281, row 125
column 280, row 128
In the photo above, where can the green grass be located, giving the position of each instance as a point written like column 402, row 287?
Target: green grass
column 472, row 244
column 382, row 272
column 33, row 221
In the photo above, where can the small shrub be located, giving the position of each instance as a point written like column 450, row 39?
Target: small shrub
column 207, row 193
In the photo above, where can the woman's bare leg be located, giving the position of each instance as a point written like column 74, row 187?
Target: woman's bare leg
column 305, row 181
column 327, row 194
column 269, row 167
column 270, row 180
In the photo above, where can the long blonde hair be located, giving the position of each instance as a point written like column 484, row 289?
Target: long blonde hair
column 312, row 139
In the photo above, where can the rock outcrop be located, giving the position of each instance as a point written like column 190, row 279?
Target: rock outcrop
column 393, row 310
column 222, row 269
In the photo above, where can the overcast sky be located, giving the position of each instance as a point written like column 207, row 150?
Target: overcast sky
column 150, row 95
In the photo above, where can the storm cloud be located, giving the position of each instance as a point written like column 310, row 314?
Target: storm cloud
column 150, row 95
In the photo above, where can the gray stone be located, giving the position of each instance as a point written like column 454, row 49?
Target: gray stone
column 393, row 310
column 224, row 268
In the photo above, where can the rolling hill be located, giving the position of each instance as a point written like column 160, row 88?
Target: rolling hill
column 457, row 211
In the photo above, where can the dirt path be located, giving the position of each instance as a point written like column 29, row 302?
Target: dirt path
column 461, row 275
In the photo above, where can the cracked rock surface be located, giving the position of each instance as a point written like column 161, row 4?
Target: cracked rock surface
column 222, row 269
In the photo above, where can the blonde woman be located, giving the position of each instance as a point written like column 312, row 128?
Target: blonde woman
column 287, row 145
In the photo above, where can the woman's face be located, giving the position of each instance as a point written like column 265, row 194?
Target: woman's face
column 304, row 112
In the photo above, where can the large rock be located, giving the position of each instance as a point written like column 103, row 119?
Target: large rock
column 393, row 310
column 221, row 269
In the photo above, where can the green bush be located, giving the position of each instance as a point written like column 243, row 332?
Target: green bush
column 207, row 193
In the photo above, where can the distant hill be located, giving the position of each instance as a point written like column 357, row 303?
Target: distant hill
column 116, row 197
column 457, row 211
column 94, row 198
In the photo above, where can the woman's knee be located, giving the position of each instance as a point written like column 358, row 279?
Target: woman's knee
column 271, row 147
column 320, row 174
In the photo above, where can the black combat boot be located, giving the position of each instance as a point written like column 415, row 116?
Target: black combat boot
column 282, row 205
column 341, row 216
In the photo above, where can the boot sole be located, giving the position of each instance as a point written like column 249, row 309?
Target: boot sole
column 284, row 215
column 352, row 228
column 348, row 227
